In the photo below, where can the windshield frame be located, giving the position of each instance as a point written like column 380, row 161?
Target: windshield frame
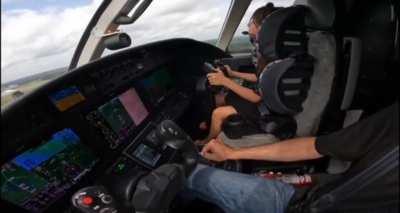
column 86, row 34
column 90, row 46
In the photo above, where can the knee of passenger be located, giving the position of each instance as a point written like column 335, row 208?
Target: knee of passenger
column 218, row 112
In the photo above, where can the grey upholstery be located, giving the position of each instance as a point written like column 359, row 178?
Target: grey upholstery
column 322, row 47
column 284, row 84
column 283, row 33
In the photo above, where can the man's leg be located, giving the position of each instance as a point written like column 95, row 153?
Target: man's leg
column 237, row 192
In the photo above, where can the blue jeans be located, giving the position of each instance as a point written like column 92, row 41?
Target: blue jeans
column 237, row 192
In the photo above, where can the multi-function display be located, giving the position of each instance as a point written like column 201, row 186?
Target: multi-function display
column 117, row 118
column 39, row 176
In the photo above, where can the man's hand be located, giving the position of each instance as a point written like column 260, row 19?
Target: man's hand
column 218, row 78
column 216, row 150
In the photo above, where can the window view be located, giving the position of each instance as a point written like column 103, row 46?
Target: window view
column 38, row 41
column 240, row 43
column 200, row 20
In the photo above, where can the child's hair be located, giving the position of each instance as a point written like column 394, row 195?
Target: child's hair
column 261, row 64
column 262, row 12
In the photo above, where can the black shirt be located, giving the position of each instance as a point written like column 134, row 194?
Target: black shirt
column 364, row 143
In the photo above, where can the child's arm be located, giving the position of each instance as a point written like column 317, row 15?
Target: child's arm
column 219, row 78
column 243, row 92
column 251, row 77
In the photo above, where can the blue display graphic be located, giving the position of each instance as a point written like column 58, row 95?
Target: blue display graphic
column 34, row 157
column 36, row 178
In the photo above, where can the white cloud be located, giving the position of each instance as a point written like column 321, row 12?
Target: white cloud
column 7, row 1
column 179, row 18
column 37, row 41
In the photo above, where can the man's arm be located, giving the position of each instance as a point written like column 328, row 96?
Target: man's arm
column 286, row 151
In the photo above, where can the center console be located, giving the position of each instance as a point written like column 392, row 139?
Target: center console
column 168, row 147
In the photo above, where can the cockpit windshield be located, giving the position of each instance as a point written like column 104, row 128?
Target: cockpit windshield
column 39, row 42
column 199, row 20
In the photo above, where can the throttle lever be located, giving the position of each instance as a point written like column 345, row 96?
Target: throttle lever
column 155, row 191
column 174, row 137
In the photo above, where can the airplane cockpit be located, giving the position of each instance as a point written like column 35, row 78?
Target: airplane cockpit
column 106, row 118
column 116, row 133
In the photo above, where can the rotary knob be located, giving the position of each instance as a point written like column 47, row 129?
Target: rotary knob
column 106, row 199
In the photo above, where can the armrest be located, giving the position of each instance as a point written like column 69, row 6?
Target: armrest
column 235, row 126
column 232, row 126
column 282, row 127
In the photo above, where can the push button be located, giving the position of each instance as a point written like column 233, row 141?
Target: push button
column 87, row 200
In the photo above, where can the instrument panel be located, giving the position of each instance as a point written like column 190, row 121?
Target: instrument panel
column 118, row 117
column 99, row 119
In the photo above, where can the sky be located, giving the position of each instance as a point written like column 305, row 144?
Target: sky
column 40, row 35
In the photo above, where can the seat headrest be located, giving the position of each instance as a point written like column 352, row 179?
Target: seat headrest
column 284, row 83
column 283, row 32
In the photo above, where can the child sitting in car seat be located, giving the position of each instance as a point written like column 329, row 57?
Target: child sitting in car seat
column 239, row 99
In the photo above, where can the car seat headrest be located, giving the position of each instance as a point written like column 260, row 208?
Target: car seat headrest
column 283, row 32
column 284, row 84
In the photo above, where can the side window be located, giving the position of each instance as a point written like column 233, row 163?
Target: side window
column 241, row 43
column 38, row 39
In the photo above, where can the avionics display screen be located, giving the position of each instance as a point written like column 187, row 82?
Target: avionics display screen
column 134, row 106
column 118, row 117
column 157, row 85
column 66, row 98
column 36, row 178
column 147, row 154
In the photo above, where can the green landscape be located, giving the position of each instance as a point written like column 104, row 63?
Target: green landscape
column 15, row 89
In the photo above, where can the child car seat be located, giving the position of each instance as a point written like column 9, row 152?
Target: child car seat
column 284, row 33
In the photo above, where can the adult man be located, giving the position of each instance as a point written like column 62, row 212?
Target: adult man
column 362, row 143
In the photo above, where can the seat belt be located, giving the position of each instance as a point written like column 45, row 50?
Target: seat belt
column 385, row 164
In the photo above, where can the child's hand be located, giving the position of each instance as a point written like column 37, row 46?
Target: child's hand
column 217, row 79
column 229, row 71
